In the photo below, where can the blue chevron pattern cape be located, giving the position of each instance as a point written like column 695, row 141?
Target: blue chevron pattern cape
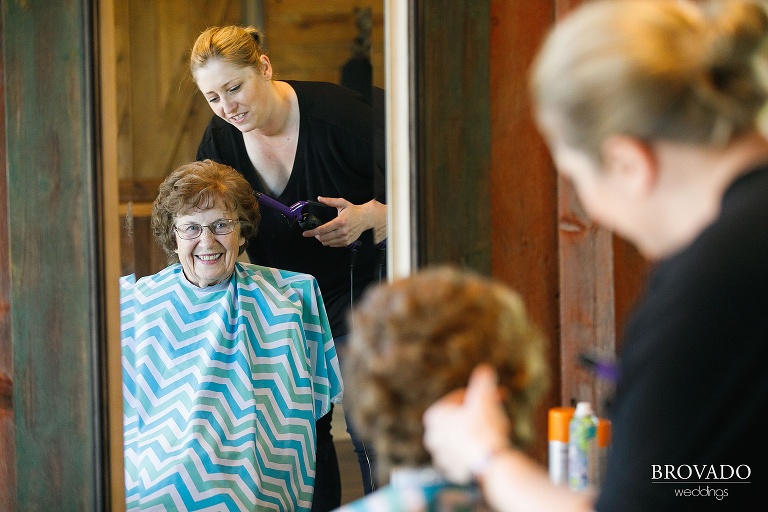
column 222, row 387
column 420, row 490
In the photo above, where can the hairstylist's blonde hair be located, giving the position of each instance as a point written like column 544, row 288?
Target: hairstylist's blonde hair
column 234, row 44
column 652, row 69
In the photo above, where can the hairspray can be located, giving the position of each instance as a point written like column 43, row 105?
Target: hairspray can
column 582, row 448
column 558, row 420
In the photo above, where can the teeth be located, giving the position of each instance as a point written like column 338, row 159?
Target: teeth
column 209, row 257
column 238, row 117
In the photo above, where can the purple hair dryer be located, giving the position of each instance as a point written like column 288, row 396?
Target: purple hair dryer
column 307, row 214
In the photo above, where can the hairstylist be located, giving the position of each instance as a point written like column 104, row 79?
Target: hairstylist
column 298, row 141
column 650, row 109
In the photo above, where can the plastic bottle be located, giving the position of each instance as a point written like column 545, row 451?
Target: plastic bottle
column 558, row 420
column 582, row 448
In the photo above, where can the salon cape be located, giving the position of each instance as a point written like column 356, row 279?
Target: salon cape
column 222, row 387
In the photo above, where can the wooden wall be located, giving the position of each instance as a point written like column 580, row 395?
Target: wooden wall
column 579, row 281
column 7, row 431
column 523, row 183
column 162, row 115
column 310, row 39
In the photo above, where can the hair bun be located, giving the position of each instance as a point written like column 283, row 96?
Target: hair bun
column 738, row 31
column 256, row 34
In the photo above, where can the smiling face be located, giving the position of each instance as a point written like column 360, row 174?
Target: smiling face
column 241, row 95
column 208, row 259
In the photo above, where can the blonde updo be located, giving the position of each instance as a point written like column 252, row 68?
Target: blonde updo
column 237, row 45
column 652, row 69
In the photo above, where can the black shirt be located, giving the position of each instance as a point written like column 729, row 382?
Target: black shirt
column 693, row 390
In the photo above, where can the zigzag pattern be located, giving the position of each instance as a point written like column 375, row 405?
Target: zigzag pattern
column 222, row 387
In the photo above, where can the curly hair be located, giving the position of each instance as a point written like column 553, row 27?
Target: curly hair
column 418, row 338
column 197, row 186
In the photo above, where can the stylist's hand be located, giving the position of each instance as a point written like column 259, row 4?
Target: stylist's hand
column 464, row 428
column 351, row 221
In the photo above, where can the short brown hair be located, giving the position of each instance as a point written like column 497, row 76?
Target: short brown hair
column 198, row 186
column 420, row 337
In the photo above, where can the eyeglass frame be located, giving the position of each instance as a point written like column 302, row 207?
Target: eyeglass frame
column 230, row 223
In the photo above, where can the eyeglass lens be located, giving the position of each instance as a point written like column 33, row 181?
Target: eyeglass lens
column 217, row 227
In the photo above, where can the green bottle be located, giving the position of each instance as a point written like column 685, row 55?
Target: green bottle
column 582, row 448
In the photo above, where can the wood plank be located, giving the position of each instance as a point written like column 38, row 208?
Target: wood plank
column 453, row 133
column 523, row 183
column 7, row 430
column 587, row 299
column 310, row 40
column 601, row 277
column 54, row 271
column 164, row 115
column 587, row 288
column 109, row 91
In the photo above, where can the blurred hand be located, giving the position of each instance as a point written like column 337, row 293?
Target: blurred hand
column 465, row 427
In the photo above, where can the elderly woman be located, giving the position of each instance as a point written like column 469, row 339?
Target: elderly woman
column 226, row 365
column 416, row 339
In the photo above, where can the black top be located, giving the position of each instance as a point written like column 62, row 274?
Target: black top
column 339, row 154
column 693, row 390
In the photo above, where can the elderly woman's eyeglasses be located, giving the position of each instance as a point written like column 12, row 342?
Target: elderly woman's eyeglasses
column 217, row 227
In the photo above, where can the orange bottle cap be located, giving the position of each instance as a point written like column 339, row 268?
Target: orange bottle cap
column 603, row 432
column 559, row 417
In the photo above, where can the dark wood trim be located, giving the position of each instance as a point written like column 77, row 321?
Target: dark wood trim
column 453, row 133
column 7, row 431
column 54, row 287
column 6, row 393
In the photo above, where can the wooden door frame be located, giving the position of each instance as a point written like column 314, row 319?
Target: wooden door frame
column 56, row 277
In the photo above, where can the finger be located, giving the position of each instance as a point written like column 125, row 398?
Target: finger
column 336, row 202
column 335, row 243
column 483, row 389
column 334, row 239
column 322, row 229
